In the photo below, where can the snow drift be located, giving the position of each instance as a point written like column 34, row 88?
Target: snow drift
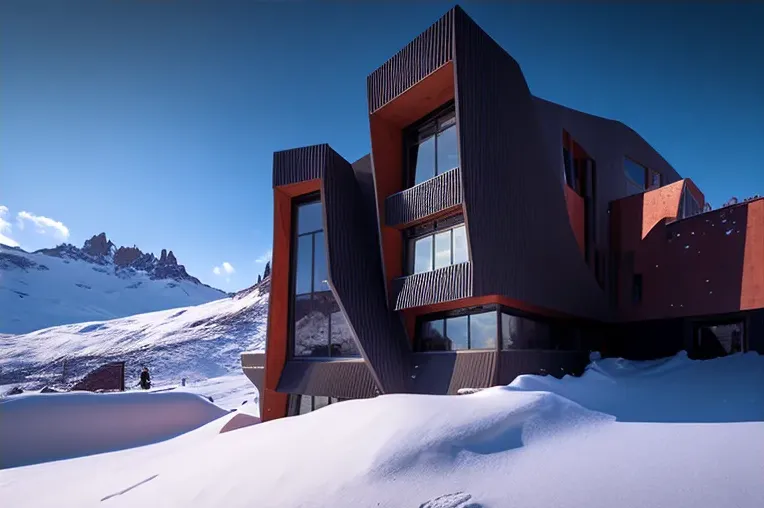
column 596, row 441
column 42, row 427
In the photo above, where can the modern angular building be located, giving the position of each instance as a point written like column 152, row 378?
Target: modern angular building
column 490, row 233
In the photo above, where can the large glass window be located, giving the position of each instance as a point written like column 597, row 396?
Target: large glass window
column 455, row 333
column 433, row 147
column 636, row 175
column 439, row 248
column 320, row 328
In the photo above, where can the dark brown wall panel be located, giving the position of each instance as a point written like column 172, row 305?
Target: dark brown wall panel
column 349, row 379
column 423, row 55
column 424, row 200
column 553, row 363
column 355, row 273
column 429, row 288
column 447, row 373
column 299, row 165
column 521, row 242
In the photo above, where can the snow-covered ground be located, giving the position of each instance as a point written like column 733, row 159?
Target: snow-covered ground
column 668, row 434
column 39, row 291
column 197, row 343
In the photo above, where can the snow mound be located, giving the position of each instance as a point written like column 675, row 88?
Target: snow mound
column 43, row 427
column 566, row 445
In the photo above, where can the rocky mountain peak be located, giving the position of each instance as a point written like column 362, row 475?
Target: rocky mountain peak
column 98, row 246
column 127, row 255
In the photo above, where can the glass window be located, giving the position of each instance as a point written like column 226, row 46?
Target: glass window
column 635, row 172
column 655, row 179
column 423, row 254
column 483, row 330
column 448, row 157
column 523, row 333
column 457, row 332
column 304, row 268
column 320, row 270
column 435, row 148
column 439, row 249
column 319, row 326
column 443, row 249
column 319, row 402
column 306, row 404
column 425, row 160
column 470, row 331
column 309, row 218
column 460, row 245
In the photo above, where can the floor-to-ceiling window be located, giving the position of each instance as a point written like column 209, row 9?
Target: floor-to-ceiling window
column 432, row 146
column 319, row 326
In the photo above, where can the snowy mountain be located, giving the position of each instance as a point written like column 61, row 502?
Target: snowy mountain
column 197, row 343
column 67, row 284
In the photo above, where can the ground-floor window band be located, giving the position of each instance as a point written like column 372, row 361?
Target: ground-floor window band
column 302, row 404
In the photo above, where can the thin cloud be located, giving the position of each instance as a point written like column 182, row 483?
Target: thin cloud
column 225, row 267
column 43, row 225
column 265, row 257
column 5, row 227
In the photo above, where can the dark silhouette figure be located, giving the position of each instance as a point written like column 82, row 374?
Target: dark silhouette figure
column 145, row 379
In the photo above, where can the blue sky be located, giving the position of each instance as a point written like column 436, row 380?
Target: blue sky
column 156, row 121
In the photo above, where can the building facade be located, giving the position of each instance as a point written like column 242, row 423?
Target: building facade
column 490, row 233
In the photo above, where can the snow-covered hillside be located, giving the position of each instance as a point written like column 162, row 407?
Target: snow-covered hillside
column 674, row 433
column 98, row 281
column 197, row 343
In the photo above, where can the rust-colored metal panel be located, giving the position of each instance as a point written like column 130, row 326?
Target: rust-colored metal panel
column 521, row 242
column 752, row 290
column 349, row 379
column 422, row 56
column 553, row 363
column 446, row 373
column 355, row 274
column 437, row 286
column 575, row 205
column 426, row 200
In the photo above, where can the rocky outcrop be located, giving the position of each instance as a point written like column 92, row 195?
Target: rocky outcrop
column 107, row 377
column 98, row 246
column 126, row 256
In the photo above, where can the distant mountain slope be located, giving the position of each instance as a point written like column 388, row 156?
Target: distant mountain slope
column 99, row 281
column 197, row 343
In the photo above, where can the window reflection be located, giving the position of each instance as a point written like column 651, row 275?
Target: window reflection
column 483, row 330
column 457, row 332
column 423, row 254
column 319, row 326
column 454, row 333
column 442, row 249
column 636, row 175
column 447, row 152
column 460, row 245
column 435, row 148
column 425, row 160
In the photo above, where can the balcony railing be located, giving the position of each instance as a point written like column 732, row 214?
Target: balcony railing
column 437, row 286
column 428, row 198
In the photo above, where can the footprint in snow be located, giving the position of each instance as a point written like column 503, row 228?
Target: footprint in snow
column 455, row 500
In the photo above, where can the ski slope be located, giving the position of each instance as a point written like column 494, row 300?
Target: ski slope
column 39, row 291
column 197, row 343
column 674, row 433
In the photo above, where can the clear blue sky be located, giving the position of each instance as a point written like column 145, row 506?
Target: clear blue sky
column 156, row 121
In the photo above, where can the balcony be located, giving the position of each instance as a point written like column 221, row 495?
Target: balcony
column 428, row 199
column 437, row 286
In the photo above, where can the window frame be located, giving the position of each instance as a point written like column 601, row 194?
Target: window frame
column 499, row 309
column 411, row 138
column 294, row 237
column 630, row 181
column 432, row 228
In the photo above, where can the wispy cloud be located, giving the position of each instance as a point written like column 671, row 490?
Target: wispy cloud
column 225, row 268
column 5, row 227
column 265, row 257
column 43, row 225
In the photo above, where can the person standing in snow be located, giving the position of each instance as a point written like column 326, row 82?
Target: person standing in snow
column 145, row 379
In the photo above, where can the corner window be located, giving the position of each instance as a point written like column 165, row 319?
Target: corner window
column 319, row 328
column 689, row 206
column 636, row 176
column 459, row 332
column 432, row 147
column 437, row 245
column 519, row 332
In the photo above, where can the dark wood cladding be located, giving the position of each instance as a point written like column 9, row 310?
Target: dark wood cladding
column 355, row 274
column 422, row 56
column 438, row 286
column 349, row 379
column 521, row 242
column 447, row 373
column 424, row 200
column 553, row 363
column 299, row 164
